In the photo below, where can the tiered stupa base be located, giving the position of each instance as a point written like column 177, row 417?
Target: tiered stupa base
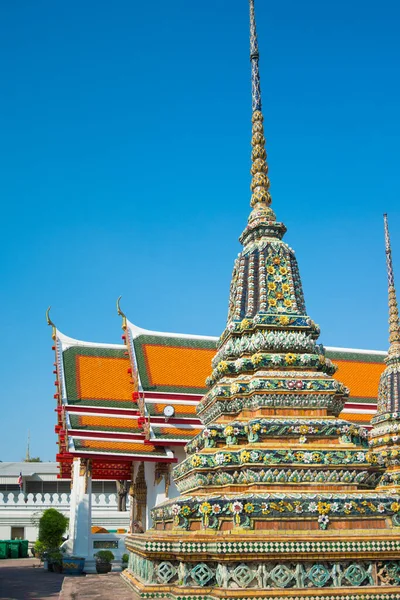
column 281, row 517
column 336, row 564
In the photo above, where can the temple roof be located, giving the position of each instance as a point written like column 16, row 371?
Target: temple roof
column 95, row 391
column 96, row 414
column 175, row 363
column 168, row 362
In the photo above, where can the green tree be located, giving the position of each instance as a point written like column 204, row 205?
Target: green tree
column 52, row 526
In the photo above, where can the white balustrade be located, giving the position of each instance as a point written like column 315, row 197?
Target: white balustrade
column 23, row 510
column 14, row 499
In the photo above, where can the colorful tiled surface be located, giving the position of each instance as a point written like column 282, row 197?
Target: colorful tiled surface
column 181, row 364
column 115, row 447
column 97, row 377
column 175, row 433
column 169, row 364
column 187, row 411
column 97, row 423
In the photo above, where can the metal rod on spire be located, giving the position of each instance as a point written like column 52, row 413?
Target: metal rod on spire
column 394, row 326
column 261, row 198
column 254, row 57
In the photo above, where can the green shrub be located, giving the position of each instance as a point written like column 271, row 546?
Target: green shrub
column 125, row 558
column 52, row 526
column 104, row 556
column 39, row 548
column 55, row 556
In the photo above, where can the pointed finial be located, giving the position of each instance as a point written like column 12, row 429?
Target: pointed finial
column 261, row 198
column 121, row 313
column 394, row 326
column 50, row 322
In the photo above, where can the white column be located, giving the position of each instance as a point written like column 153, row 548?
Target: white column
column 80, row 541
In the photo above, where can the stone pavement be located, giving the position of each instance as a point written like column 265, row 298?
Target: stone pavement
column 96, row 587
column 23, row 579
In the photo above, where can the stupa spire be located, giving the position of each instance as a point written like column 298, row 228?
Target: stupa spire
column 394, row 326
column 384, row 438
column 261, row 197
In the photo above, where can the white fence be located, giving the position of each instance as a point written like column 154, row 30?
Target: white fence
column 20, row 510
column 54, row 500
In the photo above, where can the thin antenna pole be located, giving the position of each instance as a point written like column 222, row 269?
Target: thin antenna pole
column 28, row 456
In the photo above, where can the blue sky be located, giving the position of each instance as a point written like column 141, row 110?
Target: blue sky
column 125, row 154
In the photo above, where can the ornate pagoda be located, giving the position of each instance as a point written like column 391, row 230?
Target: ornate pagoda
column 384, row 437
column 279, row 497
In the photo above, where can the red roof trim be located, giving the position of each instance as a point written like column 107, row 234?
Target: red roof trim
column 175, row 421
column 106, row 411
column 158, row 442
column 169, row 396
column 130, row 413
column 361, row 406
column 123, row 457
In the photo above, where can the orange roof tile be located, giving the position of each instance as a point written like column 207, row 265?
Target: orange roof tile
column 103, row 378
column 362, row 378
column 187, row 410
column 107, row 422
column 112, row 446
column 178, row 432
column 177, row 366
column 356, row 417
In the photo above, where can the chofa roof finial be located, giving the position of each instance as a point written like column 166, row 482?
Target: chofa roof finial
column 121, row 313
column 50, row 322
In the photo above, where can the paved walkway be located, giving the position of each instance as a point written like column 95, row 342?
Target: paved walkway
column 96, row 587
column 23, row 579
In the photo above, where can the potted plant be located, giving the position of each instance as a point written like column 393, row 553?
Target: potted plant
column 38, row 549
column 73, row 565
column 52, row 526
column 55, row 560
column 125, row 560
column 103, row 561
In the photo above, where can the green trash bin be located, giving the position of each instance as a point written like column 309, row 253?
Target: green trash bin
column 24, row 548
column 3, row 549
column 14, row 548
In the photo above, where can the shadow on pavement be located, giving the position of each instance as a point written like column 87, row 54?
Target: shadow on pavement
column 25, row 580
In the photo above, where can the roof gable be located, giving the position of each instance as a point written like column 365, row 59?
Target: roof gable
column 97, row 377
column 173, row 364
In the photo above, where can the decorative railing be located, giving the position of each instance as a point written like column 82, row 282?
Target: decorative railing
column 12, row 499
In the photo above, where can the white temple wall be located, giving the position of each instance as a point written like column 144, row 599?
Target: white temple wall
column 17, row 510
